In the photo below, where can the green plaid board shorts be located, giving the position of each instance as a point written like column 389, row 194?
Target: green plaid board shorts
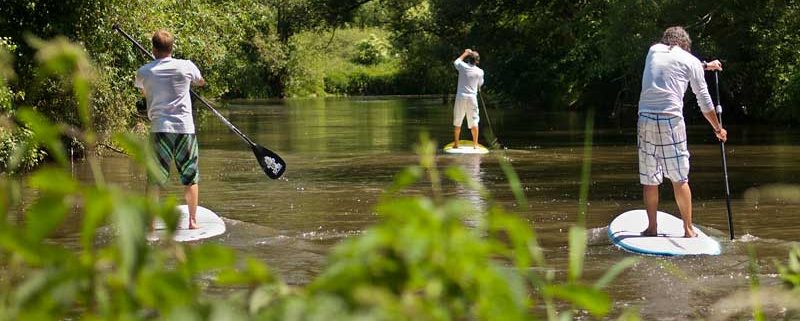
column 662, row 149
column 180, row 149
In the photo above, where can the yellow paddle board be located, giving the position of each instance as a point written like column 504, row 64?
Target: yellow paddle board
column 465, row 147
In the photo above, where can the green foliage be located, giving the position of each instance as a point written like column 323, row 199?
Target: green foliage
column 371, row 51
column 550, row 54
column 6, row 73
column 16, row 152
column 306, row 66
column 244, row 48
column 327, row 63
column 790, row 273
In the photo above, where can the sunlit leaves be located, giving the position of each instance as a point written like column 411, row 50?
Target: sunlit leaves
column 60, row 57
column 98, row 204
column 577, row 249
column 790, row 272
column 44, row 132
column 585, row 297
column 426, row 257
column 404, row 178
column 209, row 257
column 614, row 271
column 252, row 273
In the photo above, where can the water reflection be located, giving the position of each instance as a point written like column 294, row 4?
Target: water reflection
column 471, row 165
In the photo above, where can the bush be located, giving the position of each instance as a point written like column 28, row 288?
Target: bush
column 17, row 154
column 371, row 51
column 327, row 63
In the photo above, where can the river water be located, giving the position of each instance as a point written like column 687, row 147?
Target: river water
column 342, row 153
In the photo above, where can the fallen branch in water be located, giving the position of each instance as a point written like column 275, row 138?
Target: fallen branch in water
column 113, row 148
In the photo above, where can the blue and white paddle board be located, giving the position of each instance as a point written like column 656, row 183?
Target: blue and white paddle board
column 210, row 225
column 465, row 147
column 626, row 233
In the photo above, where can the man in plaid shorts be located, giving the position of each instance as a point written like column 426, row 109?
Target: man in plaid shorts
column 668, row 69
column 165, row 83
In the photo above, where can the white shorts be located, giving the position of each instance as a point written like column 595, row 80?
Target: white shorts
column 466, row 106
column 662, row 149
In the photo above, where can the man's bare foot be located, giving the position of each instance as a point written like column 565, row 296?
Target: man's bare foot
column 193, row 224
column 455, row 146
column 689, row 233
column 648, row 232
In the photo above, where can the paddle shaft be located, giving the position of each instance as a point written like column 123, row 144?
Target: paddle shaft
column 195, row 95
column 724, row 159
column 493, row 138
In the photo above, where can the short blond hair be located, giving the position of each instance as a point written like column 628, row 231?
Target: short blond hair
column 162, row 41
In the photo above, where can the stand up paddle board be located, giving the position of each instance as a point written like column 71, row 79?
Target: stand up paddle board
column 465, row 147
column 210, row 225
column 626, row 233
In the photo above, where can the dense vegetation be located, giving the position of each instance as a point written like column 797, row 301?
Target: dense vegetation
column 538, row 54
column 550, row 54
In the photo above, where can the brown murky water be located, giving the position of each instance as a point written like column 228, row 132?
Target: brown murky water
column 342, row 153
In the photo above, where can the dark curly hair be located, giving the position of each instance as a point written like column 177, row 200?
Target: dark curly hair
column 472, row 58
column 677, row 36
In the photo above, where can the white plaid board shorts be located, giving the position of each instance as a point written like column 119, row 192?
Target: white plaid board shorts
column 662, row 149
column 466, row 106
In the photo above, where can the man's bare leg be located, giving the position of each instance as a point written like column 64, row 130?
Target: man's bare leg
column 683, row 196
column 651, row 206
column 456, row 136
column 474, row 136
column 191, row 194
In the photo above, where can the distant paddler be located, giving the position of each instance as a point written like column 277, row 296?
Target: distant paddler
column 470, row 80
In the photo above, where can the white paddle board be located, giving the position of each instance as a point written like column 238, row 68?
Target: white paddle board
column 210, row 225
column 626, row 232
column 465, row 147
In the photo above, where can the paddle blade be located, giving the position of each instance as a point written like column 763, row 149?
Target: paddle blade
column 272, row 164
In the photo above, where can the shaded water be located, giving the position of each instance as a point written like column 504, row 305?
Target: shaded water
column 342, row 153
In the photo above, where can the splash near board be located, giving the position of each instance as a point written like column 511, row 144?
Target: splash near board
column 210, row 225
column 465, row 147
column 625, row 231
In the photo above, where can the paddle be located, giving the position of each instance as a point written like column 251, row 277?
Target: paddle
column 272, row 164
column 724, row 158
column 493, row 141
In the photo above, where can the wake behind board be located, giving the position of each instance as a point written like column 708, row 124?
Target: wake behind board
column 625, row 231
column 210, row 225
column 465, row 147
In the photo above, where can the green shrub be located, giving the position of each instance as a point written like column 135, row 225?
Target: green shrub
column 6, row 73
column 17, row 153
column 371, row 51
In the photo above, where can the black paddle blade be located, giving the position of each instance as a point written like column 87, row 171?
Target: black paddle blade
column 272, row 164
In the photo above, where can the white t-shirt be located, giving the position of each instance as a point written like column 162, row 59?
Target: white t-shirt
column 470, row 78
column 666, row 75
column 166, row 83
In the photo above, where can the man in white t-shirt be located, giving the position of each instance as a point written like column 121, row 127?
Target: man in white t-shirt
column 470, row 80
column 165, row 82
column 669, row 69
